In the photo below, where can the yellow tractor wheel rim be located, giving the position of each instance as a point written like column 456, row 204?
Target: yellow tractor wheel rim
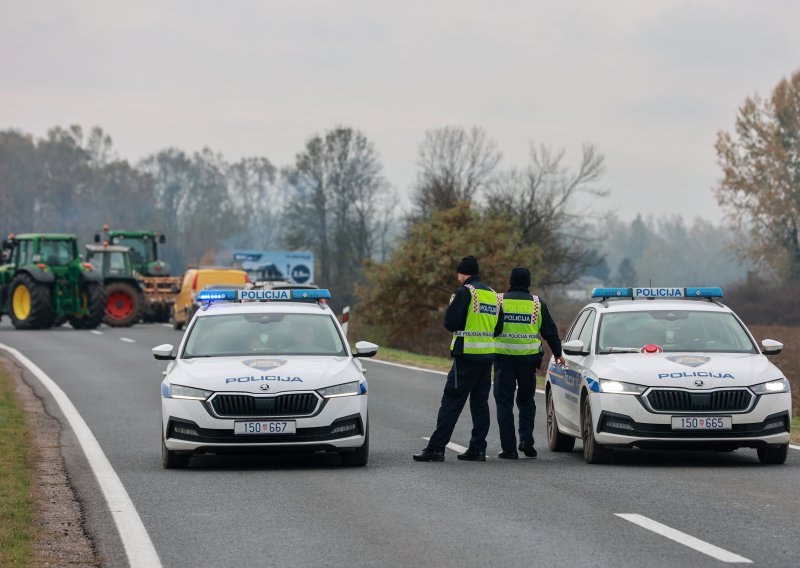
column 21, row 302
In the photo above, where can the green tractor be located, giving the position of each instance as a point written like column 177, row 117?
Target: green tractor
column 153, row 273
column 44, row 282
column 125, row 294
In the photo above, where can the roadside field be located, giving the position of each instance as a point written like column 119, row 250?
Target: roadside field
column 17, row 498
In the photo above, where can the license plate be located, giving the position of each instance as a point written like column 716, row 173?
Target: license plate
column 702, row 422
column 265, row 427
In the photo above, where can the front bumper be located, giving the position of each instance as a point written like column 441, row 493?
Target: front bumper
column 624, row 421
column 328, row 430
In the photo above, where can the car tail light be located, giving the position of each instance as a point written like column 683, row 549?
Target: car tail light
column 194, row 282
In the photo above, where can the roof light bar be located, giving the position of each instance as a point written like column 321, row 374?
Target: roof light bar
column 263, row 295
column 663, row 293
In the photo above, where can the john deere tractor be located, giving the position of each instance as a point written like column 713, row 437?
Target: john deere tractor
column 43, row 281
column 125, row 294
column 152, row 273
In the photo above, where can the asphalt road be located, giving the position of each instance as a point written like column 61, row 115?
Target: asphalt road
column 307, row 511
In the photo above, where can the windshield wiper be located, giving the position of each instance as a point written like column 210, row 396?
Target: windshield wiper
column 608, row 350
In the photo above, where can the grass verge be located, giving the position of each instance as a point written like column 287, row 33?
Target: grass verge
column 796, row 429
column 17, row 502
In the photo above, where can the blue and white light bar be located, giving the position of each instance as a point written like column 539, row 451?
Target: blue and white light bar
column 263, row 295
column 661, row 293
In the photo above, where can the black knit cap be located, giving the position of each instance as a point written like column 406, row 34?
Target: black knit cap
column 520, row 277
column 468, row 265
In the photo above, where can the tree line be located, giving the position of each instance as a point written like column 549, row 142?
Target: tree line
column 370, row 247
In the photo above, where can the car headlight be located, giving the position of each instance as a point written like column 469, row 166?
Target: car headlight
column 190, row 393
column 618, row 387
column 781, row 385
column 346, row 389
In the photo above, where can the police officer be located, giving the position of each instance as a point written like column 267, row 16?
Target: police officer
column 523, row 317
column 472, row 317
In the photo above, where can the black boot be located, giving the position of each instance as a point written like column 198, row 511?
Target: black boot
column 512, row 455
column 429, row 455
column 528, row 450
column 473, row 455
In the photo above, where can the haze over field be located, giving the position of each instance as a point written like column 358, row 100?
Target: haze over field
column 650, row 83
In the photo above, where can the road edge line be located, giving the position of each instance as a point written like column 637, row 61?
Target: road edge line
column 794, row 447
column 393, row 364
column 138, row 547
column 450, row 446
column 409, row 367
column 685, row 539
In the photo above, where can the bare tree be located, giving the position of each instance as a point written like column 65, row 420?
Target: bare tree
column 760, row 188
column 455, row 164
column 339, row 199
column 540, row 200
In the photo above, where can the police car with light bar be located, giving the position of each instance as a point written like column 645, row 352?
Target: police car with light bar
column 666, row 368
column 264, row 371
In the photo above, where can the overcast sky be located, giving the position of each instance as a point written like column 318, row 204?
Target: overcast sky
column 650, row 83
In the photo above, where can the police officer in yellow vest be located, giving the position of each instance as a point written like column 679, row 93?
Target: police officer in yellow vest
column 523, row 318
column 472, row 317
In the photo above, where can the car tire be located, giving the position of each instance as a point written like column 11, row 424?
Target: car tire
column 173, row 460
column 556, row 441
column 593, row 452
column 773, row 455
column 359, row 457
column 177, row 325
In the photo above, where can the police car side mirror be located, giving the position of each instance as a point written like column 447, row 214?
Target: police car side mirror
column 771, row 347
column 574, row 347
column 163, row 352
column 365, row 349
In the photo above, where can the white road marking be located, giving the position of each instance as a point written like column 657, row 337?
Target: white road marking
column 794, row 447
column 94, row 331
column 540, row 391
column 166, row 325
column 127, row 340
column 687, row 540
column 138, row 546
column 409, row 367
column 451, row 446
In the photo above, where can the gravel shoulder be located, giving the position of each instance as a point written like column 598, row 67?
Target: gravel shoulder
column 61, row 538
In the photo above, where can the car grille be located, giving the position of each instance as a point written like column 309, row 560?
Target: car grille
column 295, row 404
column 684, row 401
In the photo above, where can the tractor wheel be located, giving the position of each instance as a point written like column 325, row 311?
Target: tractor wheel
column 93, row 297
column 60, row 320
column 30, row 305
column 124, row 306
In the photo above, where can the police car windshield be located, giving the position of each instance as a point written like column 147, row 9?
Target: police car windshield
column 230, row 335
column 674, row 330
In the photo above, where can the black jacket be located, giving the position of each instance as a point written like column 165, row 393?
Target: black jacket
column 548, row 330
column 455, row 318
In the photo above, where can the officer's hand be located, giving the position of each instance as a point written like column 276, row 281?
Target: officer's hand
column 561, row 361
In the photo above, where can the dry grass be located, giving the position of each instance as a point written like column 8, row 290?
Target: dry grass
column 17, row 494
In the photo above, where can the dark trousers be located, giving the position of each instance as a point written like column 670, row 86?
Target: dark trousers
column 465, row 380
column 510, row 374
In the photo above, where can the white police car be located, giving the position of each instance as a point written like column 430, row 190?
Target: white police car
column 666, row 368
column 264, row 371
